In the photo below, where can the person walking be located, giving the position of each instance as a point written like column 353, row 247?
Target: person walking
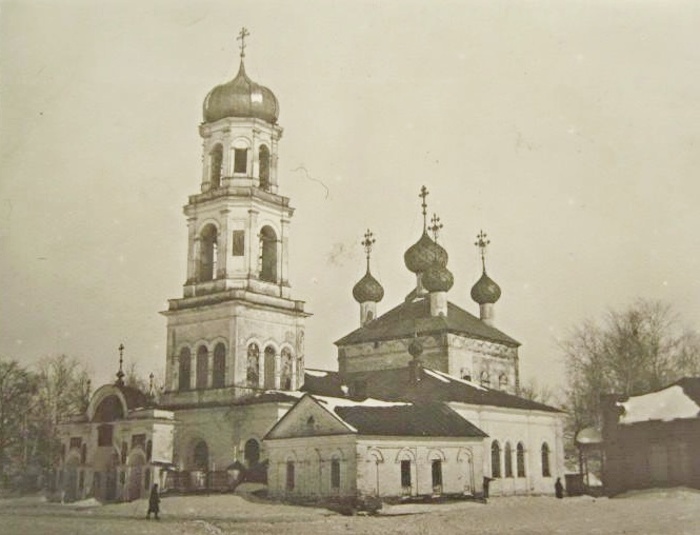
column 559, row 489
column 153, row 503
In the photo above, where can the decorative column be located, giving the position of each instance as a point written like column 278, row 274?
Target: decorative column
column 253, row 244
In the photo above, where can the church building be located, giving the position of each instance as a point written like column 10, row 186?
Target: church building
column 424, row 401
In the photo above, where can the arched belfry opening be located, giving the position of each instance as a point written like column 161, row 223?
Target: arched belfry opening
column 264, row 166
column 216, row 159
column 208, row 253
column 268, row 254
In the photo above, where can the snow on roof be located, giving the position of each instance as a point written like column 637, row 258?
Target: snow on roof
column 436, row 375
column 447, row 378
column 665, row 405
column 332, row 403
column 316, row 373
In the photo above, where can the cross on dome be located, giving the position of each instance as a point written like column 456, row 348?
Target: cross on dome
column 436, row 226
column 120, row 373
column 482, row 242
column 241, row 37
column 423, row 194
column 368, row 242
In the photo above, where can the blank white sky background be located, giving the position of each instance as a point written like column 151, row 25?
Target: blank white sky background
column 567, row 130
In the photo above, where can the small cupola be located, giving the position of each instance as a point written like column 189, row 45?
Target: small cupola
column 368, row 291
column 241, row 97
column 485, row 292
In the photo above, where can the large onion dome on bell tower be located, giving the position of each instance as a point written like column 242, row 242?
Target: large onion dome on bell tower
column 241, row 97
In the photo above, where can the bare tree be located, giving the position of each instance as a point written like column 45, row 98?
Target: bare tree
column 636, row 350
column 17, row 389
column 63, row 389
column 533, row 391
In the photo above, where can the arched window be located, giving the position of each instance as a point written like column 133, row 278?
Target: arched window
column 268, row 254
column 508, row 458
column 269, row 365
column 216, row 158
column 495, row 459
column 208, row 253
column 202, row 367
column 545, row 461
column 485, row 381
column 264, row 155
column 109, row 410
column 219, row 371
column 251, row 452
column 335, row 474
column 436, row 472
column 185, row 369
column 253, row 368
column 289, row 483
column 286, row 369
column 520, row 459
column 201, row 456
column 503, row 381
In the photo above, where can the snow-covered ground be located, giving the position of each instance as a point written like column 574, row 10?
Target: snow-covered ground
column 674, row 511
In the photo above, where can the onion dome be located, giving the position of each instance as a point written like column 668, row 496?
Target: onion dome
column 423, row 254
column 241, row 97
column 368, row 289
column 415, row 348
column 437, row 279
column 486, row 290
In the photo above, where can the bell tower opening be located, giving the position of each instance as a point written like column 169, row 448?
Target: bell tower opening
column 268, row 254
column 208, row 254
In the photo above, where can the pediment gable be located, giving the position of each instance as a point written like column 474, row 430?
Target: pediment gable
column 309, row 418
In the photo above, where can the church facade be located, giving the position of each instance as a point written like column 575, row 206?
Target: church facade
column 424, row 401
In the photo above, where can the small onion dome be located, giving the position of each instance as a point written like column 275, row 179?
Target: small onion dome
column 423, row 254
column 241, row 97
column 437, row 279
column 368, row 289
column 485, row 290
column 415, row 348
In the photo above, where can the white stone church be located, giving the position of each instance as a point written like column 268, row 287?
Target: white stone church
column 424, row 402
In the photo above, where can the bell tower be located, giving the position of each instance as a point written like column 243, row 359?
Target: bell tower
column 236, row 330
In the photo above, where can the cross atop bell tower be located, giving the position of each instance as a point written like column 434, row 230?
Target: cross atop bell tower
column 241, row 37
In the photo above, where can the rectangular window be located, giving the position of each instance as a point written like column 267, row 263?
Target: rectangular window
column 76, row 442
column 138, row 440
column 104, row 435
column 335, row 474
column 240, row 160
column 406, row 474
column 290, row 476
column 238, row 245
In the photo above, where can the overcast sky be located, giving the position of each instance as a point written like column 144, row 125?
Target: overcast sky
column 568, row 131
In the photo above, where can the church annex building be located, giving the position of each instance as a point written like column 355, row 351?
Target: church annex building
column 424, row 401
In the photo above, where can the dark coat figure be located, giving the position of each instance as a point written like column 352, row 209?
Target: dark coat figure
column 559, row 488
column 153, row 503
column 487, row 481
